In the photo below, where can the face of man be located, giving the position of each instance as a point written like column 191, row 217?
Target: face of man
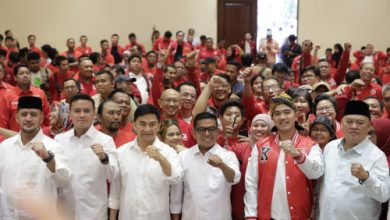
column 205, row 133
column 307, row 46
column 232, row 114
column 34, row 65
column 180, row 68
column 180, row 37
column 188, row 97
column 114, row 40
column 309, row 78
column 221, row 93
column 270, row 89
column 232, row 72
column 279, row 76
column 248, row 36
column 70, row 44
column 135, row 65
column 367, row 73
column 105, row 46
column 23, row 77
column 375, row 107
column 284, row 118
column 83, row 40
column 152, row 58
column 324, row 69
column 146, row 127
column 29, row 120
column 209, row 43
column 64, row 66
column 369, row 49
column 82, row 114
column 70, row 89
column 170, row 103
column 125, row 86
column 171, row 74
column 355, row 128
column 104, row 84
column 123, row 100
column 133, row 40
column 386, row 100
column 31, row 40
column 111, row 116
column 86, row 69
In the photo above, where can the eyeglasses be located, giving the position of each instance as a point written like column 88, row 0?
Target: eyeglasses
column 273, row 87
column 326, row 109
column 209, row 129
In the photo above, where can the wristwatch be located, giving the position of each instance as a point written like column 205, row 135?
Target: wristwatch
column 362, row 181
column 105, row 160
column 49, row 158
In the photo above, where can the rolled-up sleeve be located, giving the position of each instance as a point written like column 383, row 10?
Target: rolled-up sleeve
column 176, row 168
column 62, row 175
column 251, row 185
column 176, row 198
column 377, row 185
column 115, row 192
column 111, row 169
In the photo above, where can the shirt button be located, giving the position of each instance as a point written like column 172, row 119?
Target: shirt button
column 291, row 207
column 287, row 177
column 289, row 193
column 286, row 162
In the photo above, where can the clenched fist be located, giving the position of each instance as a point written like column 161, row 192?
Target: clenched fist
column 358, row 171
column 99, row 151
column 288, row 148
column 215, row 161
column 40, row 150
column 153, row 152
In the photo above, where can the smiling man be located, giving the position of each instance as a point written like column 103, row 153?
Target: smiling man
column 281, row 167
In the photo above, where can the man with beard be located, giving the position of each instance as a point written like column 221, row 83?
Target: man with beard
column 123, row 99
column 170, row 103
column 109, row 115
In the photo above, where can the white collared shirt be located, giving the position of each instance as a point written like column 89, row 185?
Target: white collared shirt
column 87, row 196
column 22, row 170
column 141, row 190
column 313, row 168
column 142, row 86
column 342, row 196
column 206, row 190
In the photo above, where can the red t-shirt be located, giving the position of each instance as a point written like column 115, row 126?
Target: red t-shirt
column 84, row 50
column 55, row 84
column 86, row 88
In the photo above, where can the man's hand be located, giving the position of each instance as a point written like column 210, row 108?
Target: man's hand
column 357, row 84
column 99, row 151
column 191, row 59
column 153, row 152
column 247, row 74
column 358, row 171
column 162, row 57
column 40, row 150
column 288, row 148
column 215, row 82
column 215, row 161
column 317, row 48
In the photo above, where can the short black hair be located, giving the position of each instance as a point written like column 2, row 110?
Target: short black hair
column 1, row 37
column 132, row 35
column 315, row 70
column 115, row 35
column 46, row 48
column 9, row 38
column 150, row 52
column 231, row 103
column 203, row 37
column 17, row 67
column 178, row 32
column 234, row 63
column 323, row 96
column 52, row 53
column 118, row 69
column 247, row 60
column 23, row 52
column 280, row 67
column 101, row 72
column 378, row 80
column 33, row 56
column 203, row 116
column 351, row 75
column 146, row 109
column 30, row 36
column 94, row 57
column 168, row 34
column 186, row 83
column 59, row 59
column 71, row 79
column 14, row 57
column 376, row 98
column 115, row 91
column 134, row 56
column 81, row 96
column 101, row 106
column 103, row 41
column 323, row 60
column 3, row 53
column 226, row 77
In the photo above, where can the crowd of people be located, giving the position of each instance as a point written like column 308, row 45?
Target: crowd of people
column 194, row 130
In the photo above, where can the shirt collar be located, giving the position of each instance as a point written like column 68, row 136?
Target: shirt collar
column 37, row 137
column 90, row 132
column 294, row 138
column 134, row 144
column 359, row 148
column 211, row 151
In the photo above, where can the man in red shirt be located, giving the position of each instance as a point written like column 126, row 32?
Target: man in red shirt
column 107, row 56
column 4, row 87
column 202, row 44
column 116, row 50
column 72, row 54
column 56, row 79
column 163, row 43
column 151, row 61
column 302, row 61
column 133, row 42
column 109, row 116
column 31, row 44
column 85, row 77
column 209, row 51
column 23, row 88
column 83, row 48
column 179, row 48
column 363, row 87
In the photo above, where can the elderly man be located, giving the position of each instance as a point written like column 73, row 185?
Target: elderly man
column 30, row 161
column 356, row 179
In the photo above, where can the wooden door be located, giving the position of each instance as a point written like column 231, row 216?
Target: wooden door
column 235, row 17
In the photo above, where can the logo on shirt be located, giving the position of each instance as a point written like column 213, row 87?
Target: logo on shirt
column 264, row 153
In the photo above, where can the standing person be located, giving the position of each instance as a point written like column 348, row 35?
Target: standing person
column 85, row 77
column 281, row 169
column 356, row 179
column 270, row 47
column 210, row 172
column 92, row 159
column 248, row 45
column 56, row 79
column 170, row 134
column 260, row 128
column 30, row 161
column 290, row 50
column 84, row 49
column 148, row 169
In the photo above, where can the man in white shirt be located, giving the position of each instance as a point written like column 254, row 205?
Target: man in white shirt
column 30, row 161
column 356, row 179
column 135, row 71
column 209, row 173
column 92, row 159
column 148, row 168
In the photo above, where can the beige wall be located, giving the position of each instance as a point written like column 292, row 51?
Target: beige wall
column 323, row 21
column 359, row 22
column 55, row 20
